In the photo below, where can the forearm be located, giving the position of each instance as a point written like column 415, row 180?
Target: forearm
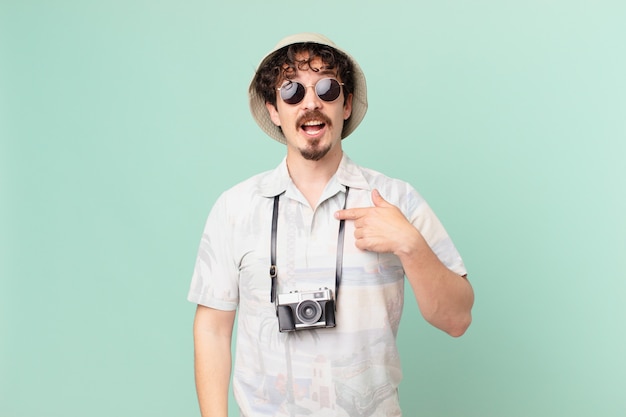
column 445, row 298
column 212, row 367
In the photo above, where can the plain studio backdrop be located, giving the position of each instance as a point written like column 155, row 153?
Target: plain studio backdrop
column 121, row 121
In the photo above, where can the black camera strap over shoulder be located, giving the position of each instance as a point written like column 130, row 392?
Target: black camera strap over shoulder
column 340, row 239
column 273, row 271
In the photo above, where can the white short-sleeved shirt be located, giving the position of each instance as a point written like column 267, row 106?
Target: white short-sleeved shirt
column 349, row 370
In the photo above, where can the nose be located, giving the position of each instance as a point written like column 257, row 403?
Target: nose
column 311, row 100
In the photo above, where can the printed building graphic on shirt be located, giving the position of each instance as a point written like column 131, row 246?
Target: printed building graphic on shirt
column 322, row 390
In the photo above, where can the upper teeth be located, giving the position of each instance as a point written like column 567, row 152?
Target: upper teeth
column 313, row 123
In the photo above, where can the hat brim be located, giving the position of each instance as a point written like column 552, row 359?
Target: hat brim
column 359, row 96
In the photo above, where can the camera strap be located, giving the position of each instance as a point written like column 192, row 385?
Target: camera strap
column 340, row 240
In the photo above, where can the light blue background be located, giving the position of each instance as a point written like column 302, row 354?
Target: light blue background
column 121, row 122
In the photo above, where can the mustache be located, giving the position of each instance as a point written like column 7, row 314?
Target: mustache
column 313, row 115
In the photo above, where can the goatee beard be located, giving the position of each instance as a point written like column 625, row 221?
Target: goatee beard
column 313, row 152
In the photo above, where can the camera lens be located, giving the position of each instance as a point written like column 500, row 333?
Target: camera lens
column 309, row 311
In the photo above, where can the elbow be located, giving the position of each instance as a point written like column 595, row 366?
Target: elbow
column 453, row 318
column 460, row 321
column 455, row 326
column 459, row 326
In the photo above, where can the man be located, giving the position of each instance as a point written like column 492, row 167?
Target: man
column 313, row 255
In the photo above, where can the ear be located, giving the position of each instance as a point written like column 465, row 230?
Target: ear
column 273, row 113
column 347, row 107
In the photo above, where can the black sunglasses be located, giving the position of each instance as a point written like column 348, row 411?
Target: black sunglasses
column 327, row 89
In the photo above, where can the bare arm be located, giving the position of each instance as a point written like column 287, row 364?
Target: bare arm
column 444, row 298
column 212, row 333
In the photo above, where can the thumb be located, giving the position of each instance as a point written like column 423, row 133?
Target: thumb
column 378, row 200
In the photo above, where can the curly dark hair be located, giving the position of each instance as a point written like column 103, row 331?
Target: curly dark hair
column 282, row 65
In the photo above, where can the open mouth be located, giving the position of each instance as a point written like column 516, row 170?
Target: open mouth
column 313, row 127
column 314, row 123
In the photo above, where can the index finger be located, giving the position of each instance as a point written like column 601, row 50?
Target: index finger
column 352, row 213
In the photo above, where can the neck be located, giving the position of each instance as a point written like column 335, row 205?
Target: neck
column 311, row 177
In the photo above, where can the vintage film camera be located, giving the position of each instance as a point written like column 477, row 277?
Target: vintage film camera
column 305, row 310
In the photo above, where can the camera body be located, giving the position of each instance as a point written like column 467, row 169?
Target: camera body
column 300, row 310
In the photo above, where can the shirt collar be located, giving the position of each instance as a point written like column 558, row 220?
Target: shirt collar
column 348, row 173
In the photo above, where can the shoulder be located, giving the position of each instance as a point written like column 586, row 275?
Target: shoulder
column 397, row 191
column 244, row 195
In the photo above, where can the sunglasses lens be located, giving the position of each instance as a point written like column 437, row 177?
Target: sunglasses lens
column 292, row 92
column 328, row 89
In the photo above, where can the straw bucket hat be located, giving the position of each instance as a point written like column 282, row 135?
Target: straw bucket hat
column 359, row 99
